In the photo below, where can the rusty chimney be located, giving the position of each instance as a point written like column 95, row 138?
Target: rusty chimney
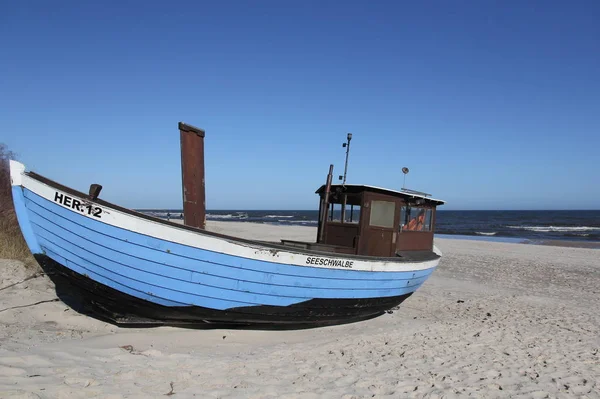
column 192, row 175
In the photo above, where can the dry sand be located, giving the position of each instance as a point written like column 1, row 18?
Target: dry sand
column 495, row 320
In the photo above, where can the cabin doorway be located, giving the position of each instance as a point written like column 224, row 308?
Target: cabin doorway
column 381, row 221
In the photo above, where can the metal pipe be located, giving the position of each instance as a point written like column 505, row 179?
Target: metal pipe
column 325, row 204
column 192, row 175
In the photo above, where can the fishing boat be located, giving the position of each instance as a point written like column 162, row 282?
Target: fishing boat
column 374, row 248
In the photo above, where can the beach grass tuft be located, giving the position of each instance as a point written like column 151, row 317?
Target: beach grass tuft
column 12, row 244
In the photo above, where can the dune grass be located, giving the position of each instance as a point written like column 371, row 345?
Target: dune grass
column 12, row 244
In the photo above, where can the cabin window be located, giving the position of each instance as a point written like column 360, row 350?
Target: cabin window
column 335, row 213
column 382, row 214
column 415, row 219
column 352, row 214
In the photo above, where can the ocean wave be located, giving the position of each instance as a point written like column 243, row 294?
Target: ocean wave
column 483, row 233
column 288, row 222
column 558, row 229
column 579, row 234
column 164, row 215
column 219, row 216
column 227, row 216
column 279, row 216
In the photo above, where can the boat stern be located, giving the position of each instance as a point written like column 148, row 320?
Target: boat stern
column 17, row 171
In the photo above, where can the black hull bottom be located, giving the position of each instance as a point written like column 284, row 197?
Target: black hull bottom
column 87, row 296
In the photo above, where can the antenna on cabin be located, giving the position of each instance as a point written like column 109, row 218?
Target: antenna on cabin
column 347, row 146
column 405, row 171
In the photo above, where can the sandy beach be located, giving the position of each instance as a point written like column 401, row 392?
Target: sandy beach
column 495, row 320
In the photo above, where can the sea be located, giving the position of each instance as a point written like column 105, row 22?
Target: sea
column 508, row 226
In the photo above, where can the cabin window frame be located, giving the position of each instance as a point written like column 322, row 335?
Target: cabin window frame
column 391, row 206
column 352, row 212
column 332, row 211
column 427, row 225
column 350, row 217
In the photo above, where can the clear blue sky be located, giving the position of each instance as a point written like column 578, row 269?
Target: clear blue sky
column 491, row 104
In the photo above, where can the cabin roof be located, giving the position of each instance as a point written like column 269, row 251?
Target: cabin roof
column 358, row 188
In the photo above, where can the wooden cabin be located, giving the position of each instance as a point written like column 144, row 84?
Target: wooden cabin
column 373, row 221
